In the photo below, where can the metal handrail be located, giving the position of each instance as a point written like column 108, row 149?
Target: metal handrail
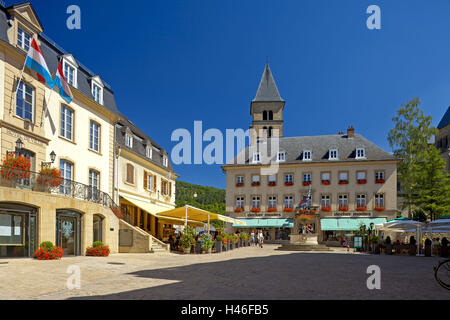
column 34, row 181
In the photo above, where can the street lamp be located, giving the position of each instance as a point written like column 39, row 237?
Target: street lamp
column 195, row 194
column 52, row 158
column 19, row 146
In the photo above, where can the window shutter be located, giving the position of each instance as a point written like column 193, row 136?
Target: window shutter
column 145, row 180
column 154, row 183
column 170, row 189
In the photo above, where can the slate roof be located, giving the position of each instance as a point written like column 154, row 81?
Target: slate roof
column 139, row 147
column 445, row 121
column 267, row 90
column 320, row 147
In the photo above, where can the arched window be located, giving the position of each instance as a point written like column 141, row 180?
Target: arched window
column 97, row 228
column 270, row 115
column 264, row 115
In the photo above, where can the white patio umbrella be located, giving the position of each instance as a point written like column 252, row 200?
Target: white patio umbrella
column 403, row 225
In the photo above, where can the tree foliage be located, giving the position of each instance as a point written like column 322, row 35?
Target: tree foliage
column 208, row 198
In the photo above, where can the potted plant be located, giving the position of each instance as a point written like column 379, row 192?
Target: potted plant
column 48, row 251
column 238, row 209
column 187, row 239
column 326, row 209
column 288, row 183
column 206, row 242
column 272, row 210
column 288, row 209
column 218, row 243
column 388, row 250
column 343, row 208
column 49, row 177
column 15, row 167
column 343, row 181
column 306, row 183
column 256, row 210
column 326, row 182
column 98, row 249
column 362, row 181
column 361, row 208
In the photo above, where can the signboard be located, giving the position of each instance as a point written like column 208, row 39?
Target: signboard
column 125, row 237
column 357, row 242
column 352, row 214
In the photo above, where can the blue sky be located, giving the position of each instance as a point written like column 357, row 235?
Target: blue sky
column 173, row 62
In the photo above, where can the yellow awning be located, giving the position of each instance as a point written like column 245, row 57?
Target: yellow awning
column 197, row 214
column 155, row 209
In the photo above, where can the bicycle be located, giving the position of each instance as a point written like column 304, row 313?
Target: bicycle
column 442, row 273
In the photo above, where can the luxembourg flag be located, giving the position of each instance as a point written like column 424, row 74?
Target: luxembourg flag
column 61, row 83
column 35, row 61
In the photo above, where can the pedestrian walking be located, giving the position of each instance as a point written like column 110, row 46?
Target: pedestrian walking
column 260, row 239
column 253, row 237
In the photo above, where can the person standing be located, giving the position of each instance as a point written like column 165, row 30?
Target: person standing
column 252, row 236
column 261, row 239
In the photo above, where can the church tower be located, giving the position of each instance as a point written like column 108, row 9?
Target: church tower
column 266, row 109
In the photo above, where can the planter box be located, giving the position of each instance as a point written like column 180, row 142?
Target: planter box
column 218, row 246
column 186, row 250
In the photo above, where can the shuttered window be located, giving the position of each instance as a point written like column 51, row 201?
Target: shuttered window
column 130, row 173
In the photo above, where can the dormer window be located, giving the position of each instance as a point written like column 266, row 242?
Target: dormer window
column 148, row 152
column 307, row 155
column 23, row 39
column 129, row 140
column 165, row 161
column 281, row 156
column 360, row 153
column 256, row 157
column 97, row 92
column 333, row 154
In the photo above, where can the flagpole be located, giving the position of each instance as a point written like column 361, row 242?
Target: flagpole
column 46, row 106
column 18, row 83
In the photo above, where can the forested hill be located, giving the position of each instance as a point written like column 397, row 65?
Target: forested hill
column 208, row 198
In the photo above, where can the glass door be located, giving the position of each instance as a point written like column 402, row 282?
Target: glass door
column 68, row 232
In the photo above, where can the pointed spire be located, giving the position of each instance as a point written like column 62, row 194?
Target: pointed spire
column 267, row 90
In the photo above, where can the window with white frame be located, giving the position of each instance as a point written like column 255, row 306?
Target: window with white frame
column 256, row 202
column 272, row 202
column 333, row 154
column 97, row 93
column 288, row 201
column 360, row 200
column 307, row 155
column 325, row 201
column 148, row 152
column 240, row 179
column 94, row 136
column 325, row 176
column 281, row 156
column 361, row 175
column 23, row 39
column 379, row 175
column 94, row 183
column 165, row 161
column 25, row 102
column 379, row 200
column 66, row 168
column 70, row 73
column 272, row 178
column 66, row 123
column 343, row 176
column 307, row 177
column 128, row 140
column 360, row 153
column 289, row 178
column 240, row 202
column 149, row 179
column 255, row 178
column 343, row 200
column 256, row 157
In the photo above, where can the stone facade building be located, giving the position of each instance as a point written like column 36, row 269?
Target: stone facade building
column 351, row 181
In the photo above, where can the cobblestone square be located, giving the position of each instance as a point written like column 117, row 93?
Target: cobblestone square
column 245, row 273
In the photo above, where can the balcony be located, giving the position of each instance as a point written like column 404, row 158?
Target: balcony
column 33, row 181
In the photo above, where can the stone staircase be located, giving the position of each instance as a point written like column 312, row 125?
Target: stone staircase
column 158, row 246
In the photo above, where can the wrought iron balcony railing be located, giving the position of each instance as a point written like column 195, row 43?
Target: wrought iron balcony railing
column 33, row 181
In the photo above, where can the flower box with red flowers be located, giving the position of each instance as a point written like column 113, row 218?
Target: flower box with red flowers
column 272, row 184
column 344, row 208
column 16, row 167
column 50, row 177
column 379, row 181
column 255, row 184
column 238, row 209
column 343, row 181
column 326, row 209
column 48, row 251
column 288, row 209
column 362, row 181
column 239, row 184
column 379, row 209
column 272, row 210
column 326, row 182
column 288, row 184
column 256, row 210
column 361, row 209
column 98, row 249
column 306, row 183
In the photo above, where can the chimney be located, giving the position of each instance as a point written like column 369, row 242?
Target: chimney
column 350, row 132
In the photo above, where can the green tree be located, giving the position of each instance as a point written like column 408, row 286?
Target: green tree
column 432, row 190
column 409, row 142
